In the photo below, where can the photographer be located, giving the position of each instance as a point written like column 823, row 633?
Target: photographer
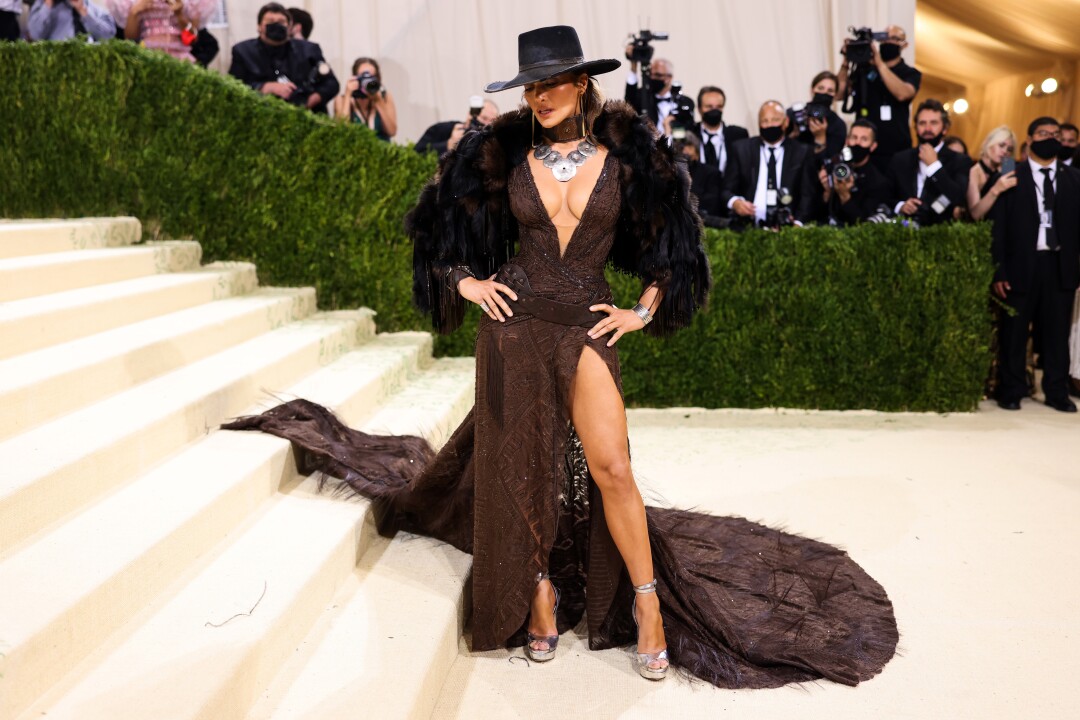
column 855, row 189
column 814, row 123
column 930, row 181
column 705, row 182
column 302, row 24
column 444, row 136
column 293, row 70
column 64, row 19
column 1070, row 141
column 366, row 101
column 659, row 100
column 877, row 85
column 716, row 137
column 770, row 180
column 170, row 26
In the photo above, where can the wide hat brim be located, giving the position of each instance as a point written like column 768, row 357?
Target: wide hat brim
column 531, row 75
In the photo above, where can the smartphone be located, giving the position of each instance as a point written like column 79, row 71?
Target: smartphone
column 1008, row 165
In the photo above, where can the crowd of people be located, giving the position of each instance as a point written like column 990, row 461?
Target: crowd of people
column 804, row 164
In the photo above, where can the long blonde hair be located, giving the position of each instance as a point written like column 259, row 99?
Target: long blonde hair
column 996, row 135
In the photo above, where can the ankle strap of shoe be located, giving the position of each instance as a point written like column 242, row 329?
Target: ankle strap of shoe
column 649, row 587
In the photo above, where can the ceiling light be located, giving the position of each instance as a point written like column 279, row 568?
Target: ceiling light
column 1049, row 85
column 1029, row 89
column 947, row 106
column 960, row 106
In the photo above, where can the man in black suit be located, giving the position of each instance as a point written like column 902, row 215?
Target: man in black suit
column 716, row 137
column 1036, row 248
column 769, row 177
column 704, row 182
column 929, row 181
column 863, row 192
column 444, row 136
column 661, row 101
column 293, row 70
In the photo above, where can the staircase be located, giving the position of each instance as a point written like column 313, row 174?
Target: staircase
column 153, row 566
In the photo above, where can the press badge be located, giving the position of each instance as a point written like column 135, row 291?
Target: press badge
column 886, row 113
column 1046, row 219
column 940, row 205
column 770, row 197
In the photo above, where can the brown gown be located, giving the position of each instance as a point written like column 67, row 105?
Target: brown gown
column 743, row 605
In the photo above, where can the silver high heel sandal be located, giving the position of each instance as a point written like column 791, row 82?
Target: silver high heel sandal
column 551, row 640
column 644, row 660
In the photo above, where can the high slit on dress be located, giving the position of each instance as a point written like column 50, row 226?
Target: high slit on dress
column 743, row 605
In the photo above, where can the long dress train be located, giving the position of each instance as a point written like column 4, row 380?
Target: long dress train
column 744, row 606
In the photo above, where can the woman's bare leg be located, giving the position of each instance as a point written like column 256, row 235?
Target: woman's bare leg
column 598, row 414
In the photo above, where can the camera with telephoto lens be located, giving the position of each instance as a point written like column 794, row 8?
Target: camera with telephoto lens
column 682, row 117
column 476, row 106
column 642, row 50
column 859, row 48
column 839, row 166
column 368, row 85
column 779, row 216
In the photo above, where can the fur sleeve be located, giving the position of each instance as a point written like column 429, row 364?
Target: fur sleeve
column 462, row 219
column 659, row 237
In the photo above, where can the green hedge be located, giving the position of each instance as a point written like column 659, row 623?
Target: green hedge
column 875, row 317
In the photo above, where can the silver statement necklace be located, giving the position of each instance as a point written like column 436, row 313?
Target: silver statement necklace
column 564, row 168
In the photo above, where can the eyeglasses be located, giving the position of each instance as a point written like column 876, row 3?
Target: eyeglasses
column 1044, row 134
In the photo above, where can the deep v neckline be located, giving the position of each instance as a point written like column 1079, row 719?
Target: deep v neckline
column 562, row 252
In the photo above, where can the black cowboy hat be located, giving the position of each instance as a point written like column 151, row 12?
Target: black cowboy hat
column 550, row 51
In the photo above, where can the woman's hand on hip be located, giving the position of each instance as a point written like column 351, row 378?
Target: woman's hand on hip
column 618, row 321
column 486, row 294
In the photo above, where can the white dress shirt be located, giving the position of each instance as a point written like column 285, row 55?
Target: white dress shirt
column 925, row 171
column 664, row 103
column 1038, row 177
column 717, row 141
column 761, row 192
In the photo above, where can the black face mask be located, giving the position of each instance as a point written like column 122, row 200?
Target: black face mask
column 858, row 153
column 713, row 117
column 656, row 84
column 276, row 32
column 1047, row 149
column 822, row 99
column 889, row 51
column 1066, row 153
column 932, row 141
column 772, row 134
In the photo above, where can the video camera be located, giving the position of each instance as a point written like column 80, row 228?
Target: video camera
column 859, row 49
column 682, row 117
column 642, row 50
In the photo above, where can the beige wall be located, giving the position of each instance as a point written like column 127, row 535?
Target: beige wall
column 436, row 53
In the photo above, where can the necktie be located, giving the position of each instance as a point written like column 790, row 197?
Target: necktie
column 1048, row 206
column 710, row 149
column 772, row 168
column 76, row 20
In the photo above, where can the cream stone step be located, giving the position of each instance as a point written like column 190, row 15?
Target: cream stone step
column 57, row 468
column 37, row 237
column 212, row 648
column 389, row 637
column 34, row 323
column 41, row 385
column 113, row 559
column 35, row 275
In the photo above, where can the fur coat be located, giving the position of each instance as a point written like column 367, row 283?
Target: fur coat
column 463, row 217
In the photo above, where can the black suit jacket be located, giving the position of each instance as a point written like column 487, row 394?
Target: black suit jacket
column 1016, row 229
column 732, row 134
column 255, row 63
column 705, row 185
column 436, row 137
column 951, row 181
column 632, row 95
column 797, row 174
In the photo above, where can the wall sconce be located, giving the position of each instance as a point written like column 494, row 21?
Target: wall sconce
column 1048, row 86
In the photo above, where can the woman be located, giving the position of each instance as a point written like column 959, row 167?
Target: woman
column 986, row 181
column 368, row 103
column 167, row 25
column 536, row 483
column 826, row 134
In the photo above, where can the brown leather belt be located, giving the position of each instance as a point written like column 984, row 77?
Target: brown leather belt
column 553, row 311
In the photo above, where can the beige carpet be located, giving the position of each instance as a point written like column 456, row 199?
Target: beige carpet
column 968, row 520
